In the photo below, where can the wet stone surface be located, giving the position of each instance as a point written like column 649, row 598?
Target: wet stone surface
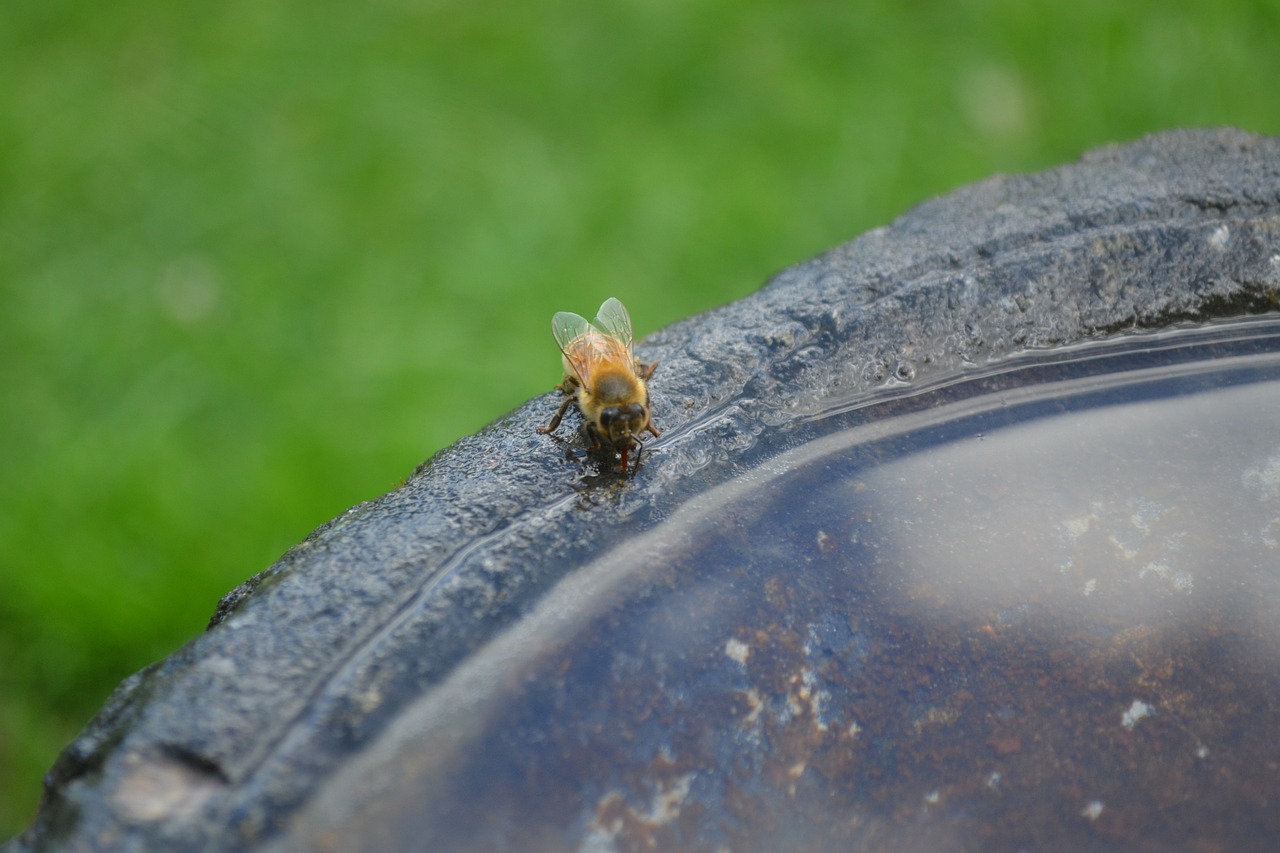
column 962, row 536
column 1034, row 616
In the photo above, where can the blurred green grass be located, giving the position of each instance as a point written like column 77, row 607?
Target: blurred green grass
column 258, row 260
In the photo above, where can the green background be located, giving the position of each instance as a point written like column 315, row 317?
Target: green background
column 258, row 259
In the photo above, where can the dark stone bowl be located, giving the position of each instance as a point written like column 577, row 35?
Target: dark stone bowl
column 457, row 664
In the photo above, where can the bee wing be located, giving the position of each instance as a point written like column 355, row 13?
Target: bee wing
column 571, row 332
column 614, row 320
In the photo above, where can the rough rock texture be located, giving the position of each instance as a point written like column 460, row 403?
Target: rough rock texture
column 220, row 745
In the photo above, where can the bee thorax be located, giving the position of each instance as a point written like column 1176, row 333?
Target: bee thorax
column 614, row 388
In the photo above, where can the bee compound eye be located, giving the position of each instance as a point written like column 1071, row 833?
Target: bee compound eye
column 608, row 416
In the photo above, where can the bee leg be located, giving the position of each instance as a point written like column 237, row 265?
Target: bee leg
column 646, row 368
column 593, row 438
column 653, row 429
column 555, row 422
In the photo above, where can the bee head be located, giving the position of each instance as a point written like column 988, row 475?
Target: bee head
column 622, row 424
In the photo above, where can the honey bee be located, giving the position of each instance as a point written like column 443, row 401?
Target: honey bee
column 604, row 379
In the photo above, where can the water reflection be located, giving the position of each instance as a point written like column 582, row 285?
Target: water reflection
column 1134, row 512
column 1038, row 613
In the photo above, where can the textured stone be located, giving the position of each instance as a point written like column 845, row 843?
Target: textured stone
column 226, row 743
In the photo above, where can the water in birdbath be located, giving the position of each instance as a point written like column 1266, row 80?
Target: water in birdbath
column 1033, row 606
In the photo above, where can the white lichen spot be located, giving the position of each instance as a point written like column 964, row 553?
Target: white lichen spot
column 935, row 716
column 1179, row 580
column 1263, row 479
column 369, row 699
column 1160, row 570
column 1090, row 586
column 854, row 728
column 1124, row 550
column 808, row 681
column 157, row 788
column 666, row 803
column 220, row 666
column 795, row 771
column 804, row 696
column 1202, row 752
column 1092, row 810
column 993, row 781
column 241, row 619
column 1137, row 711
column 1220, row 237
column 819, row 699
column 823, row 538
column 613, row 815
column 756, row 706
column 737, row 650
column 793, row 709
column 1074, row 528
column 1146, row 514
column 932, row 797
column 1271, row 533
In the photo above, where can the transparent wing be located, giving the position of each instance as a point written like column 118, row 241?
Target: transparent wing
column 567, row 327
column 614, row 320
column 573, row 334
